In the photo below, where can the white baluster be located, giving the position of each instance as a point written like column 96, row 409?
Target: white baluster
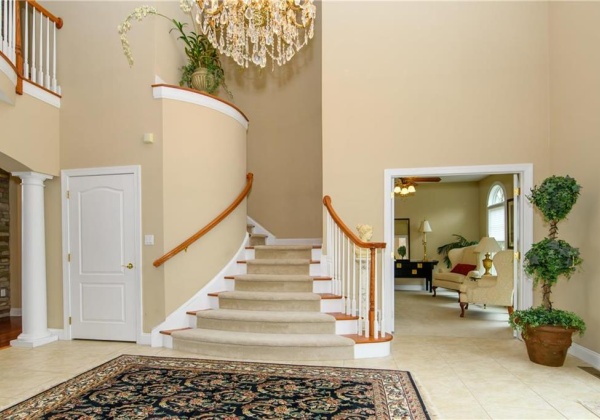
column 33, row 51
column 47, row 81
column 12, row 31
column 54, row 59
column 26, row 43
column 40, row 78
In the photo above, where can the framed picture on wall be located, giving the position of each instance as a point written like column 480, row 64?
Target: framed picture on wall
column 510, row 223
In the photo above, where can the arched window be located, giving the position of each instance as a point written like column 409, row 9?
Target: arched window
column 496, row 214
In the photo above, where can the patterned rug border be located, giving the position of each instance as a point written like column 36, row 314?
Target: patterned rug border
column 399, row 393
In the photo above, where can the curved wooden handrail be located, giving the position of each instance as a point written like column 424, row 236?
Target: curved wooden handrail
column 58, row 21
column 355, row 239
column 160, row 261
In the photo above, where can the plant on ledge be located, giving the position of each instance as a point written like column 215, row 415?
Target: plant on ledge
column 203, row 70
column 546, row 262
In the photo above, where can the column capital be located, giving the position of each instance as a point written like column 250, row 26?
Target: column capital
column 32, row 178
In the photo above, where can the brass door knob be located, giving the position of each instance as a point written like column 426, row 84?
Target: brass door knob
column 129, row 266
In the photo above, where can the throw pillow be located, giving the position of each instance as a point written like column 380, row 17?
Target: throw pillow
column 463, row 269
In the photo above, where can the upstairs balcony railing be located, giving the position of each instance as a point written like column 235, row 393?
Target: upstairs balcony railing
column 357, row 269
column 28, row 42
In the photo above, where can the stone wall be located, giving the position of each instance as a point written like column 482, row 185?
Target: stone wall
column 4, row 250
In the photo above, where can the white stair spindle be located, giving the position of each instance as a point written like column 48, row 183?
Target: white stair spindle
column 26, row 43
column 33, row 50
column 54, row 58
column 47, row 80
column 40, row 78
column 12, row 31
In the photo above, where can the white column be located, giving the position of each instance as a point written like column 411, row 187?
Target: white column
column 33, row 259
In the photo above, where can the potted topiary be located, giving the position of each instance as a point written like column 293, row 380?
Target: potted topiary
column 547, row 331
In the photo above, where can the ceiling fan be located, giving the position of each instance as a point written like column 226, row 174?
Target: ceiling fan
column 406, row 185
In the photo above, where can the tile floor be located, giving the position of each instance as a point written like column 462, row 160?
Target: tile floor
column 468, row 368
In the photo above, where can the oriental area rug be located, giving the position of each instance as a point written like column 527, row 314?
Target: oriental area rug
column 138, row 387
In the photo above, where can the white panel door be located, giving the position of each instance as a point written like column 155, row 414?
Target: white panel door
column 102, row 269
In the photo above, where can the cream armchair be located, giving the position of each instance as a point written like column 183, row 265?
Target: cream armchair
column 453, row 280
column 491, row 290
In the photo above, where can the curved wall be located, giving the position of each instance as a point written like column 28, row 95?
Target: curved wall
column 204, row 170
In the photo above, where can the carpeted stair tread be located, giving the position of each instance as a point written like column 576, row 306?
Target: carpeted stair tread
column 262, row 339
column 266, row 316
column 276, row 261
column 284, row 247
column 273, row 277
column 242, row 295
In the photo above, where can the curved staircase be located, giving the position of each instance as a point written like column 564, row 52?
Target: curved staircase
column 272, row 313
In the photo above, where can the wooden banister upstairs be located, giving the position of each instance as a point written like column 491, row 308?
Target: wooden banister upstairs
column 29, row 44
column 349, row 257
column 185, row 244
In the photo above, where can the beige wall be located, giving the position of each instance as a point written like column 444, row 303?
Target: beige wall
column 106, row 109
column 284, row 140
column 204, row 167
column 434, row 84
column 575, row 128
column 450, row 208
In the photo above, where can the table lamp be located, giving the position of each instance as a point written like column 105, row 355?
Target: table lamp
column 487, row 245
column 424, row 228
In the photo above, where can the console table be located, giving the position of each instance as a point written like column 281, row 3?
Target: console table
column 415, row 269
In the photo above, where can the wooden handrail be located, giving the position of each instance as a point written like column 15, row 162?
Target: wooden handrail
column 355, row 239
column 208, row 227
column 58, row 21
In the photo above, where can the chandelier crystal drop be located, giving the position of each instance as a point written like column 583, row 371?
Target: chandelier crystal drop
column 250, row 31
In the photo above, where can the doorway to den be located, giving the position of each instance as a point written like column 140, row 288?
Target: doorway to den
column 457, row 204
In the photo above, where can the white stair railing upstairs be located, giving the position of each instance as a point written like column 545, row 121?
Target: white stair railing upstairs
column 29, row 42
column 357, row 271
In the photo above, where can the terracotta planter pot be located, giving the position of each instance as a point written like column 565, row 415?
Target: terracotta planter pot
column 548, row 344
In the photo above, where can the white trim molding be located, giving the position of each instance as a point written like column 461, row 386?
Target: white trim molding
column 16, row 312
column 41, row 94
column 197, row 98
column 585, row 354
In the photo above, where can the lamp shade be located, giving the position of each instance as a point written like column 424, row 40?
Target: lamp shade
column 487, row 245
column 425, row 227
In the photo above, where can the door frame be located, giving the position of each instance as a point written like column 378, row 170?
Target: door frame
column 65, row 175
column 524, row 289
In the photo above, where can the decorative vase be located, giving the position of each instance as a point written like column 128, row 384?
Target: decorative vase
column 204, row 81
column 548, row 344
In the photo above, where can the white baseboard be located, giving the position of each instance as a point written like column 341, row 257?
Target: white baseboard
column 59, row 332
column 16, row 312
column 145, row 339
column 585, row 354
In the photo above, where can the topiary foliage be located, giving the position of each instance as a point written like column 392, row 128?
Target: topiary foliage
column 549, row 259
column 555, row 198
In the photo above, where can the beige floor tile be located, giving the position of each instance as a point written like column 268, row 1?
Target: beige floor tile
column 510, row 412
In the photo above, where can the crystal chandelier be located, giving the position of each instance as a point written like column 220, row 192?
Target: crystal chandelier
column 249, row 31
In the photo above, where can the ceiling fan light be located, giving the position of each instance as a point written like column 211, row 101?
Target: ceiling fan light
column 397, row 189
column 404, row 191
column 411, row 189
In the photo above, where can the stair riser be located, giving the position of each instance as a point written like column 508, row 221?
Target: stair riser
column 321, row 286
column 346, row 327
column 302, row 269
column 276, row 254
column 332, row 305
column 270, row 305
column 273, row 286
column 257, row 240
column 267, row 327
column 315, row 254
column 233, row 351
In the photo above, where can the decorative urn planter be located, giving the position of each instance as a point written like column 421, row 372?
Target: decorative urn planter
column 203, row 80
